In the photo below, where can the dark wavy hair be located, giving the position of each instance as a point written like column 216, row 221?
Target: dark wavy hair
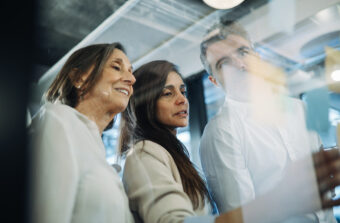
column 140, row 123
column 80, row 62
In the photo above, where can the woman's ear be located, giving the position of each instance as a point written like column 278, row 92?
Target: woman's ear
column 213, row 80
column 76, row 79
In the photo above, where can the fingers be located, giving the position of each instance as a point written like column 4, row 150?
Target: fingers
column 326, row 163
column 325, row 156
column 328, row 184
column 327, row 170
column 328, row 203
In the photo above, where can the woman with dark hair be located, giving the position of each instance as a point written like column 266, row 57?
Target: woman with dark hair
column 72, row 180
column 153, row 123
column 163, row 185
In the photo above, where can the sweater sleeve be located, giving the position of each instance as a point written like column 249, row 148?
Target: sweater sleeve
column 151, row 187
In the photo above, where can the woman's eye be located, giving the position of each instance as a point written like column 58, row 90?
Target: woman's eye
column 116, row 68
column 184, row 93
column 166, row 94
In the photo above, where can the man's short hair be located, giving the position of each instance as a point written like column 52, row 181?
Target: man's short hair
column 225, row 29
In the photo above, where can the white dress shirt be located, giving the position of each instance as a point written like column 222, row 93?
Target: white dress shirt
column 242, row 158
column 73, row 181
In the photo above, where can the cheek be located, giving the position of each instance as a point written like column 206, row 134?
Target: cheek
column 162, row 112
column 158, row 112
column 106, row 90
column 109, row 80
column 102, row 88
column 104, row 93
column 220, row 78
column 229, row 75
column 159, row 117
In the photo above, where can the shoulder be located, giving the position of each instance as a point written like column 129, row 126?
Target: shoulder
column 51, row 133
column 60, row 110
column 147, row 148
column 54, row 111
column 223, row 132
column 230, row 115
column 221, row 125
column 53, row 117
column 217, row 123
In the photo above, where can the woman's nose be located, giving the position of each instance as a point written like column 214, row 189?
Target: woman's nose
column 129, row 78
column 181, row 99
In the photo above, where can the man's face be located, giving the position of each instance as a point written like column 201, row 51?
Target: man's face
column 227, row 60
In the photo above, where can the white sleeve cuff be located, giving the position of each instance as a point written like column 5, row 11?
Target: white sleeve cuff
column 200, row 219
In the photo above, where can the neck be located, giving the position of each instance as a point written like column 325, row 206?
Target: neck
column 238, row 91
column 173, row 131
column 96, row 112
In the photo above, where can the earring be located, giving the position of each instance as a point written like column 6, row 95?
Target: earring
column 78, row 86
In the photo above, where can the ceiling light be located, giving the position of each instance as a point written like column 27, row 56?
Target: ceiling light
column 336, row 75
column 223, row 4
column 325, row 15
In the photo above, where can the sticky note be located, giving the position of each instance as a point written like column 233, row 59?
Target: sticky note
column 317, row 101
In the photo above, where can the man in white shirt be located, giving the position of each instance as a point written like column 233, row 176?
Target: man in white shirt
column 243, row 157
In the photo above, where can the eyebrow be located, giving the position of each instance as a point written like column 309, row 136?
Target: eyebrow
column 170, row 87
column 117, row 60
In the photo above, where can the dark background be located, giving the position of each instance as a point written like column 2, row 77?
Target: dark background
column 17, row 51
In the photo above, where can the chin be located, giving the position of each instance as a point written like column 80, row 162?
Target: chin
column 182, row 124
column 120, row 107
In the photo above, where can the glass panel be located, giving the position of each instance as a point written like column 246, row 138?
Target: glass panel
column 110, row 139
column 183, row 134
column 213, row 97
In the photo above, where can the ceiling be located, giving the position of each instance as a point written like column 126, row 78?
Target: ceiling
column 290, row 34
column 62, row 24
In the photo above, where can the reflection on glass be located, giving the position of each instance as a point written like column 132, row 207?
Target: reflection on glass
column 293, row 53
column 263, row 127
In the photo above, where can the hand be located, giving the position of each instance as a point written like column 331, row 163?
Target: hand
column 327, row 170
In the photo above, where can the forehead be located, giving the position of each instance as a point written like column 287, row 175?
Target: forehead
column 120, row 55
column 226, row 46
column 173, row 79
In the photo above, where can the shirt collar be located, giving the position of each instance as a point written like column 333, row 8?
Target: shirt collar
column 227, row 101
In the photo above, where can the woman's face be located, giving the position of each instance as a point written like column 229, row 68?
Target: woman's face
column 114, row 87
column 172, row 106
